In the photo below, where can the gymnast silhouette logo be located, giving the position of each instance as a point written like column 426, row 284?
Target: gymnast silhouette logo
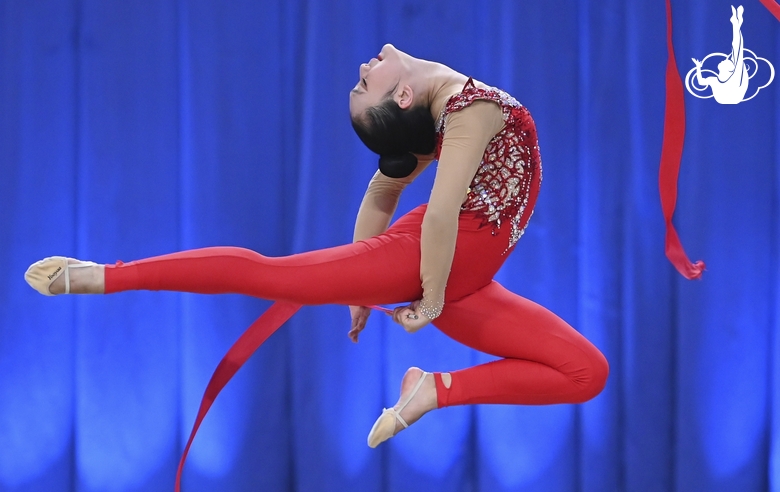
column 730, row 83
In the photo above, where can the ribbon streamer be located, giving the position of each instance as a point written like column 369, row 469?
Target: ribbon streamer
column 246, row 345
column 671, row 155
column 773, row 7
column 671, row 151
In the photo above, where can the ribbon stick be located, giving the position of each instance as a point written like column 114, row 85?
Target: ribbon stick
column 382, row 309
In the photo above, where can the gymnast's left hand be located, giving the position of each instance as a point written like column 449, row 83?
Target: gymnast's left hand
column 409, row 317
column 359, row 318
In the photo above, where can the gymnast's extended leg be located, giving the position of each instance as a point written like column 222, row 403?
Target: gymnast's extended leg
column 382, row 269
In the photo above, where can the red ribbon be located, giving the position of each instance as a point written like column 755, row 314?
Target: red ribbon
column 671, row 151
column 671, row 155
column 246, row 345
column 773, row 7
column 257, row 333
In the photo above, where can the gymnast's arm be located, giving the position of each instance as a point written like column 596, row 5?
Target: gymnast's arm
column 701, row 80
column 467, row 134
column 381, row 200
column 376, row 211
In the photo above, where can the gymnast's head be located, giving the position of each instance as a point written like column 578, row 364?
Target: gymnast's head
column 725, row 70
column 390, row 113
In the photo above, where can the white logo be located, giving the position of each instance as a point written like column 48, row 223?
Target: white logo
column 730, row 83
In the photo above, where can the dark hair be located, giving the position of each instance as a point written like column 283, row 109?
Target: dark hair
column 396, row 134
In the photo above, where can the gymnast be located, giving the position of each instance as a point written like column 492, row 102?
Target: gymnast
column 438, row 260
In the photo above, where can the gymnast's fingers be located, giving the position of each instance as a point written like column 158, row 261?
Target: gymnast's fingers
column 353, row 335
column 397, row 314
column 357, row 327
column 355, row 314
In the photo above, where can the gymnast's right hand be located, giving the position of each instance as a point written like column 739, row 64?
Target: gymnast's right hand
column 359, row 318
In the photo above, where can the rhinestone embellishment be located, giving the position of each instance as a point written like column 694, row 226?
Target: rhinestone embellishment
column 502, row 186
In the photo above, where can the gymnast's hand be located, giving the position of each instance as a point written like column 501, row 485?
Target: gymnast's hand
column 409, row 317
column 359, row 318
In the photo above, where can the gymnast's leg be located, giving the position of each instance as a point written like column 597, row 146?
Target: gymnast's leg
column 382, row 269
column 545, row 361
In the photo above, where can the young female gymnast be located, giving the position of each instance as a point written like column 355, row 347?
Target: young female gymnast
column 440, row 257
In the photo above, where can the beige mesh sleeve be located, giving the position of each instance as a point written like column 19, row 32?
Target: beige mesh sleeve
column 380, row 201
column 466, row 135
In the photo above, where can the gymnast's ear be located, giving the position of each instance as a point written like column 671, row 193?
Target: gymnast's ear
column 404, row 97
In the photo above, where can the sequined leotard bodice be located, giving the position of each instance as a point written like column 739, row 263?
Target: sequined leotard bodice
column 507, row 182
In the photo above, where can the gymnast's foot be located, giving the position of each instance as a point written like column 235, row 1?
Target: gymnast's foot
column 59, row 275
column 418, row 397
column 736, row 16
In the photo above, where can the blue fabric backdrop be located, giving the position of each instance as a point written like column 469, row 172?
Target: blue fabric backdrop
column 130, row 129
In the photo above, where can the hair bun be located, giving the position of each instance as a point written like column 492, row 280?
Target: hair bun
column 397, row 166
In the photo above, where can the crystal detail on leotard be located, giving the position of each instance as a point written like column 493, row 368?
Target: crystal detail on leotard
column 502, row 187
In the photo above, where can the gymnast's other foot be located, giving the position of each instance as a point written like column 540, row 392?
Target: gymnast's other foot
column 60, row 275
column 418, row 397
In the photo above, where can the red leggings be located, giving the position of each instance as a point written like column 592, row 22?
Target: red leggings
column 544, row 360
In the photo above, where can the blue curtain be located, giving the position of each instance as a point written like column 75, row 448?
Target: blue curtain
column 131, row 129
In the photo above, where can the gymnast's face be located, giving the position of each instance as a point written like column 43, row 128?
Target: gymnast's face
column 380, row 78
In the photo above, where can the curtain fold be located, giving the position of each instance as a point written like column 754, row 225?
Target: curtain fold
column 136, row 129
